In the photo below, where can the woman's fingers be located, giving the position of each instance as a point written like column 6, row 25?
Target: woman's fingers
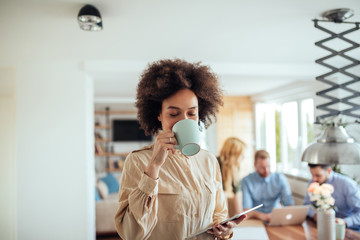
column 219, row 230
column 167, row 138
column 166, row 141
column 239, row 219
column 169, row 147
column 226, row 229
column 221, row 227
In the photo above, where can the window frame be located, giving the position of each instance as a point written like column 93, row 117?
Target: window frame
column 296, row 92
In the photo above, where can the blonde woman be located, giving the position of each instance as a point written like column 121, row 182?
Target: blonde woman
column 231, row 155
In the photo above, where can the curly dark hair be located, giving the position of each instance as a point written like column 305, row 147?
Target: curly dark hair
column 164, row 78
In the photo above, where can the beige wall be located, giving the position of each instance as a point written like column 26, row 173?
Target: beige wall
column 236, row 118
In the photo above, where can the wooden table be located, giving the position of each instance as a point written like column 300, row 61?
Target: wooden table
column 306, row 231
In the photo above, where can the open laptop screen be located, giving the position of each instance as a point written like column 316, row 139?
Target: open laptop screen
column 290, row 215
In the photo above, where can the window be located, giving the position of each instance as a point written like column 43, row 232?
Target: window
column 285, row 129
column 289, row 134
column 265, row 130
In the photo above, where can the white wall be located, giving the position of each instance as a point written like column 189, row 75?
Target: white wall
column 298, row 187
column 49, row 174
column 88, row 119
column 8, row 185
column 353, row 170
column 211, row 139
column 52, row 130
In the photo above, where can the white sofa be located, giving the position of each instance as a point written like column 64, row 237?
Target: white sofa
column 105, row 212
column 106, row 209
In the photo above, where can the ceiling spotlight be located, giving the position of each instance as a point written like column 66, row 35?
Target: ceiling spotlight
column 89, row 18
column 338, row 15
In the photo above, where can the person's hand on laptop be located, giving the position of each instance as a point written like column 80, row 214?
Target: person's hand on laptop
column 263, row 216
column 225, row 230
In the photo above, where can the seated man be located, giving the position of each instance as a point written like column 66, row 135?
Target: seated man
column 264, row 187
column 346, row 194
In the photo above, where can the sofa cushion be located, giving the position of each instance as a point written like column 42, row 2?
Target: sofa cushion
column 111, row 182
column 103, row 189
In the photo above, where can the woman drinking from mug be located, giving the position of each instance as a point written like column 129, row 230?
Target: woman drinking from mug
column 164, row 194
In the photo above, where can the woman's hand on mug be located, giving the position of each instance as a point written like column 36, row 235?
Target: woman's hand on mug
column 226, row 229
column 164, row 142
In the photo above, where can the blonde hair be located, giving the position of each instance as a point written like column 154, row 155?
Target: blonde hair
column 230, row 160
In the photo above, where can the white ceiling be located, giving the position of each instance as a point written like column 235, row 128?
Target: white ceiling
column 254, row 46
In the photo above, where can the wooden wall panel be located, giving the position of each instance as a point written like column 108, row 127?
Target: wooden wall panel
column 236, row 118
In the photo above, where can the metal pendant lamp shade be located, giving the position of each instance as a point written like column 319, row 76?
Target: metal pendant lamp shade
column 334, row 146
column 89, row 18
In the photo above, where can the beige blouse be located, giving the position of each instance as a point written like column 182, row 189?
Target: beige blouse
column 186, row 198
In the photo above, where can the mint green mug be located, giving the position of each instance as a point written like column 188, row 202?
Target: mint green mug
column 187, row 134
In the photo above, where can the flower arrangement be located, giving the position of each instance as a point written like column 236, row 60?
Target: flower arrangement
column 320, row 195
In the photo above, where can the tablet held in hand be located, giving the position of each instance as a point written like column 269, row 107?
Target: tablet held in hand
column 225, row 221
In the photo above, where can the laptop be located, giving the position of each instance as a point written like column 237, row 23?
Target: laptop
column 290, row 215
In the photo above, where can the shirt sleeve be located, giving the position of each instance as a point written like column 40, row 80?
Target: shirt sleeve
column 246, row 195
column 136, row 217
column 353, row 201
column 221, row 209
column 286, row 195
column 311, row 211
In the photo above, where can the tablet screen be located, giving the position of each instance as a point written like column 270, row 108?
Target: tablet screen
column 225, row 221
